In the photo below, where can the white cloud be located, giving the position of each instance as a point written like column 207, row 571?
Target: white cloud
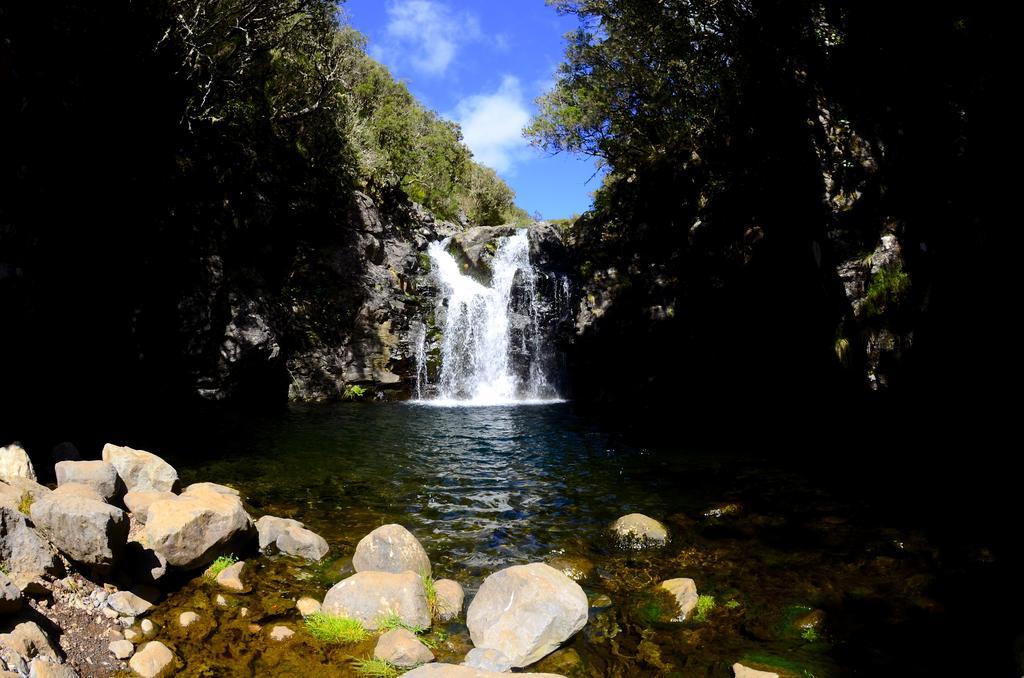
column 426, row 35
column 492, row 125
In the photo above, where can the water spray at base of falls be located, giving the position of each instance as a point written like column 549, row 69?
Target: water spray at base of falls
column 477, row 366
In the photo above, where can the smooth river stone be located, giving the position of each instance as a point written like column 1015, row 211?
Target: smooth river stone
column 637, row 530
column 391, row 548
column 369, row 596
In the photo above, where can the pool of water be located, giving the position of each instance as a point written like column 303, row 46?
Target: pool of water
column 778, row 543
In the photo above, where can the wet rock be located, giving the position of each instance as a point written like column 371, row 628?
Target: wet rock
column 130, row 604
column 279, row 633
column 42, row 668
column 194, row 528
column 148, row 628
column 402, row 648
column 10, row 596
column 526, row 612
column 139, row 470
column 487, row 659
column 29, row 640
column 231, row 577
column 291, row 537
column 685, row 593
column 152, row 660
column 87, row 530
column 22, row 550
column 434, row 670
column 221, row 601
column 391, row 548
column 600, row 602
column 139, row 501
column 133, row 635
column 122, row 649
column 186, row 619
column 450, row 598
column 723, row 510
column 637, row 530
column 576, row 568
column 99, row 475
column 814, row 619
column 15, row 463
column 741, row 671
column 307, row 606
column 368, row 596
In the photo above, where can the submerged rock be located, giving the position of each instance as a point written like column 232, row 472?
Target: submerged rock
column 402, row 648
column 450, row 598
column 231, row 577
column 307, row 606
column 685, row 593
column 87, row 530
column 186, row 619
column 487, row 659
column 140, row 470
column 526, row 612
column 741, row 671
column 434, row 670
column 15, row 463
column 637, row 530
column 391, row 548
column 291, row 537
column 576, row 568
column 279, row 633
column 152, row 660
column 369, row 596
column 99, row 475
column 192, row 529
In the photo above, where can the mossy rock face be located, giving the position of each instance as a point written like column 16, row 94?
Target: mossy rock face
column 656, row 606
column 565, row 662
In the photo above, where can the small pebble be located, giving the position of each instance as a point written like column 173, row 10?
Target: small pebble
column 186, row 618
column 281, row 633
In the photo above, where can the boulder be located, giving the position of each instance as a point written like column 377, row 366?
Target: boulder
column 368, row 596
column 434, row 670
column 15, row 463
column 403, row 649
column 741, row 671
column 16, row 491
column 526, row 612
column 291, row 537
column 231, row 577
column 685, row 593
column 29, row 640
column 637, row 530
column 139, row 501
column 488, row 659
column 10, row 596
column 22, row 549
column 192, row 529
column 391, row 548
column 141, row 471
column 99, row 475
column 42, row 668
column 450, row 598
column 86, row 530
column 152, row 660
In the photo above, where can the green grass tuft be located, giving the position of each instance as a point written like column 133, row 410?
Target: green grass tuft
column 330, row 629
column 392, row 621
column 732, row 604
column 704, row 606
column 376, row 668
column 431, row 592
column 810, row 634
column 222, row 563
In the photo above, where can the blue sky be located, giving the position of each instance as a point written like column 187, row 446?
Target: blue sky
column 483, row 63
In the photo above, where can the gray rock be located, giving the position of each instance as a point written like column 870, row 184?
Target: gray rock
column 88, row 531
column 139, row 470
column 15, row 463
column 434, row 670
column 403, row 649
column 231, row 577
column 391, row 548
column 10, row 596
column 152, row 660
column 122, row 649
column 15, row 491
column 99, row 475
column 526, row 612
column 79, row 490
column 369, row 596
column 487, row 659
column 194, row 528
column 450, row 598
column 637, row 530
column 741, row 671
column 139, row 501
column 685, row 593
column 291, row 537
column 28, row 640
column 130, row 604
column 41, row 668
column 25, row 553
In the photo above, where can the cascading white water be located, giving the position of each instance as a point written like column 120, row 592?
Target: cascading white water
column 476, row 364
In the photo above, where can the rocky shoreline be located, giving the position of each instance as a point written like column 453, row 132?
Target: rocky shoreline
column 88, row 565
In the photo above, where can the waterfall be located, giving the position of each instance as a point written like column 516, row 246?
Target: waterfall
column 477, row 342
